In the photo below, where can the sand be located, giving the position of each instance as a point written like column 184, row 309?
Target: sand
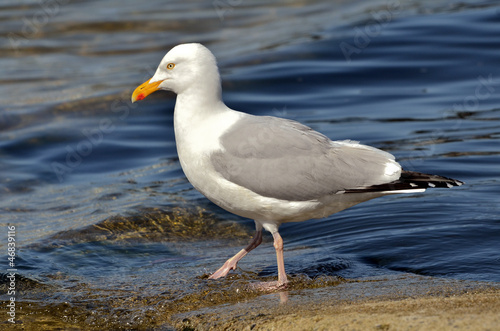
column 400, row 303
column 470, row 311
column 397, row 302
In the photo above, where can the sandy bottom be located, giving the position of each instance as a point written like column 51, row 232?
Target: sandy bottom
column 400, row 303
column 471, row 311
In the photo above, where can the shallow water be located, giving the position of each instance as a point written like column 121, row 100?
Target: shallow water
column 106, row 221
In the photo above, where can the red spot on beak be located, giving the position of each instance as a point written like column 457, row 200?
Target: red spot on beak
column 140, row 97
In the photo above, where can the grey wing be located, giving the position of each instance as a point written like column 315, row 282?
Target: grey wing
column 286, row 160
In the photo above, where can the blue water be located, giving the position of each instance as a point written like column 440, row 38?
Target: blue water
column 94, row 188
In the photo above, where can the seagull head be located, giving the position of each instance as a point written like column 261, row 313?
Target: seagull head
column 185, row 68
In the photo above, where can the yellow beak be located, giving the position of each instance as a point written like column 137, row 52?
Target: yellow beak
column 145, row 89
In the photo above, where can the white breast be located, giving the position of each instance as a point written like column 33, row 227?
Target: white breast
column 197, row 137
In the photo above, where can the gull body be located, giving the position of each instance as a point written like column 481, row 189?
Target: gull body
column 268, row 169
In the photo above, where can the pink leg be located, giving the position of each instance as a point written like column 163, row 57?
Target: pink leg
column 278, row 245
column 231, row 263
column 282, row 279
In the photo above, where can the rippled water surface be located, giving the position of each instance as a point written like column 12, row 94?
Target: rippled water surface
column 108, row 230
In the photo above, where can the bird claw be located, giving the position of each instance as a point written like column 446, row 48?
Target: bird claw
column 269, row 286
column 224, row 270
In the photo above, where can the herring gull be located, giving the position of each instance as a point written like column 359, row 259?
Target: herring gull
column 268, row 169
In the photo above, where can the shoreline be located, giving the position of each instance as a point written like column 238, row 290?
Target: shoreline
column 400, row 303
column 396, row 302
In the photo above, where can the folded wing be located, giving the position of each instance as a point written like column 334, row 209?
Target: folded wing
column 286, row 160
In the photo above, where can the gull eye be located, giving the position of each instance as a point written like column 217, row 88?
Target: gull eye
column 170, row 66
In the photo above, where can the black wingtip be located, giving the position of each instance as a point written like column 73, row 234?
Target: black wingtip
column 410, row 180
column 426, row 180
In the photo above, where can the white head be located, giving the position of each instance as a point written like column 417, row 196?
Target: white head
column 186, row 68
